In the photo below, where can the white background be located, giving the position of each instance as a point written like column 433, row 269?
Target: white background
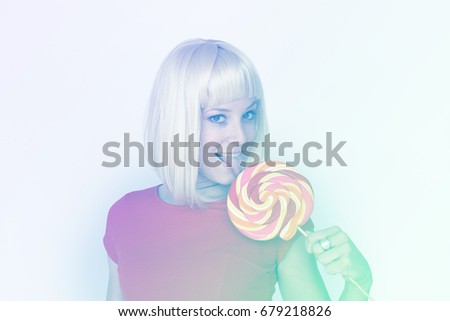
column 77, row 74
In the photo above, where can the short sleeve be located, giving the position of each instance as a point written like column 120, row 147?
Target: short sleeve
column 112, row 230
column 285, row 245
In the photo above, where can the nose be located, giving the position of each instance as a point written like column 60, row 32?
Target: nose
column 235, row 139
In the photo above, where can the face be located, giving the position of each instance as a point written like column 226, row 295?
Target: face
column 229, row 125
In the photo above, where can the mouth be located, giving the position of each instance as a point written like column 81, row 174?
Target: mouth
column 228, row 158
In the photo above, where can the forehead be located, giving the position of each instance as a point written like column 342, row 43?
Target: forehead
column 238, row 104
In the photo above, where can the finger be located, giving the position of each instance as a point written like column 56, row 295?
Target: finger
column 338, row 266
column 314, row 237
column 334, row 254
column 329, row 256
column 335, row 241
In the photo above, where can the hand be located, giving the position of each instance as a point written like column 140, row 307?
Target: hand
column 342, row 257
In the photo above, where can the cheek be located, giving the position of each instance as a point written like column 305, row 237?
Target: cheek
column 209, row 133
column 250, row 131
column 207, row 136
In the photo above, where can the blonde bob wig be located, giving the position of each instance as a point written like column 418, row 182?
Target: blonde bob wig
column 196, row 74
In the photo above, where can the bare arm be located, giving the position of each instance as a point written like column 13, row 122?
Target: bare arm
column 300, row 279
column 114, row 292
column 298, row 275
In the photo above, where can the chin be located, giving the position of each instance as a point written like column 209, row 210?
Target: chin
column 224, row 179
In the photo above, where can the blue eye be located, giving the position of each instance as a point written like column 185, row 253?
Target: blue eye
column 249, row 115
column 217, row 119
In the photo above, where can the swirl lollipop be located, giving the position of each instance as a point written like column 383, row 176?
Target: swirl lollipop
column 269, row 201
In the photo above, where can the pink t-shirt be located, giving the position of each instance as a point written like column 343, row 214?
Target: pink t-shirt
column 168, row 252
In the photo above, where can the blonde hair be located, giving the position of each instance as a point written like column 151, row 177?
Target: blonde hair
column 196, row 74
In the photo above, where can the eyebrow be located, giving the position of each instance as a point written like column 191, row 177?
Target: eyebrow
column 224, row 110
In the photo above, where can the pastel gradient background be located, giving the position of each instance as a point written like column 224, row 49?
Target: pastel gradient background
column 74, row 75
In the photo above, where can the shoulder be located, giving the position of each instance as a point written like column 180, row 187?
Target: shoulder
column 132, row 201
column 144, row 195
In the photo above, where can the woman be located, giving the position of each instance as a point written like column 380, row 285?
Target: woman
column 175, row 241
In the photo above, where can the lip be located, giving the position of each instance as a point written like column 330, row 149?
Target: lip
column 224, row 156
column 228, row 154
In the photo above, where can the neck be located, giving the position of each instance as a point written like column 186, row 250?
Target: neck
column 208, row 189
column 211, row 190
